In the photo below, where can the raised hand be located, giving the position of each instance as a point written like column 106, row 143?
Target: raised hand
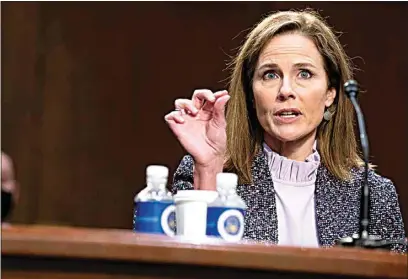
column 199, row 125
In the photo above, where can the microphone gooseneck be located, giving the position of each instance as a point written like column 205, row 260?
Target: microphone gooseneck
column 362, row 239
column 351, row 89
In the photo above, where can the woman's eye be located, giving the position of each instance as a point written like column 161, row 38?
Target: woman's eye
column 271, row 75
column 305, row 74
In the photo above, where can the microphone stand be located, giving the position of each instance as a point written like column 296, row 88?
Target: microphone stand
column 362, row 239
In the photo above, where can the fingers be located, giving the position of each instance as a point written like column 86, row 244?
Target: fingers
column 209, row 105
column 202, row 95
column 221, row 93
column 219, row 110
column 202, row 99
column 186, row 105
column 175, row 116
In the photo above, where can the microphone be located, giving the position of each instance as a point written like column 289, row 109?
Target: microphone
column 362, row 239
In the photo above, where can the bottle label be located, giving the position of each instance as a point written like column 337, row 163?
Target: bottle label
column 224, row 222
column 154, row 217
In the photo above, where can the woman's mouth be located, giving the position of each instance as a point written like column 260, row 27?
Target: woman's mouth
column 287, row 115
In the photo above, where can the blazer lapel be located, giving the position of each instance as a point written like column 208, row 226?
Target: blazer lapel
column 336, row 205
column 336, row 213
column 261, row 216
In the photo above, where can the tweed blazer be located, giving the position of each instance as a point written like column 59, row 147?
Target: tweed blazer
column 337, row 204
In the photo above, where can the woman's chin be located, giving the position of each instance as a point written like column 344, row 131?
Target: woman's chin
column 288, row 133
column 288, row 136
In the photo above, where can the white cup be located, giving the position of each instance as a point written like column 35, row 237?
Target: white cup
column 191, row 212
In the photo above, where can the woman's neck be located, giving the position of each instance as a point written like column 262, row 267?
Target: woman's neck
column 297, row 150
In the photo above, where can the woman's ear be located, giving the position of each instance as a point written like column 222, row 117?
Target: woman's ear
column 330, row 96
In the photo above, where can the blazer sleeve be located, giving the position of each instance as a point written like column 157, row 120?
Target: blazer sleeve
column 183, row 177
column 385, row 213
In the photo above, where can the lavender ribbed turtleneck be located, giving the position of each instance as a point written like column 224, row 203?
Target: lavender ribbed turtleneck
column 294, row 184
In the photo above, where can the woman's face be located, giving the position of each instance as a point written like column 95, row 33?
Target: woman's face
column 290, row 88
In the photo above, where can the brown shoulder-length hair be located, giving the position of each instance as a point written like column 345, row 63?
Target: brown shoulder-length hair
column 336, row 138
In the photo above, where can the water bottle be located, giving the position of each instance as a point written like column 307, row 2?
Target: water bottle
column 225, row 216
column 154, row 210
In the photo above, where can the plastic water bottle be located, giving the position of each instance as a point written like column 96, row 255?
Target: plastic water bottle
column 154, row 210
column 225, row 216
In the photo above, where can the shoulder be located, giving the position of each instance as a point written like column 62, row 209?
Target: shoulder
column 379, row 185
column 384, row 203
column 383, row 193
column 385, row 213
column 377, row 182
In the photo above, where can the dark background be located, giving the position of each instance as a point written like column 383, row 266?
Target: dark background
column 85, row 87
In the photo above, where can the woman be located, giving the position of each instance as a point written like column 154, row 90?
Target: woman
column 9, row 186
column 288, row 134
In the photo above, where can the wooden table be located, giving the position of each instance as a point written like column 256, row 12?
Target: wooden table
column 67, row 252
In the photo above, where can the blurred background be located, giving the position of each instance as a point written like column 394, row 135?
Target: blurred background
column 85, row 87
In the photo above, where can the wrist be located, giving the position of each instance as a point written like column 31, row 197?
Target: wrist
column 205, row 175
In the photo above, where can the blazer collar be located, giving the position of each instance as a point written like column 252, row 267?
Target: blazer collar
column 330, row 202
